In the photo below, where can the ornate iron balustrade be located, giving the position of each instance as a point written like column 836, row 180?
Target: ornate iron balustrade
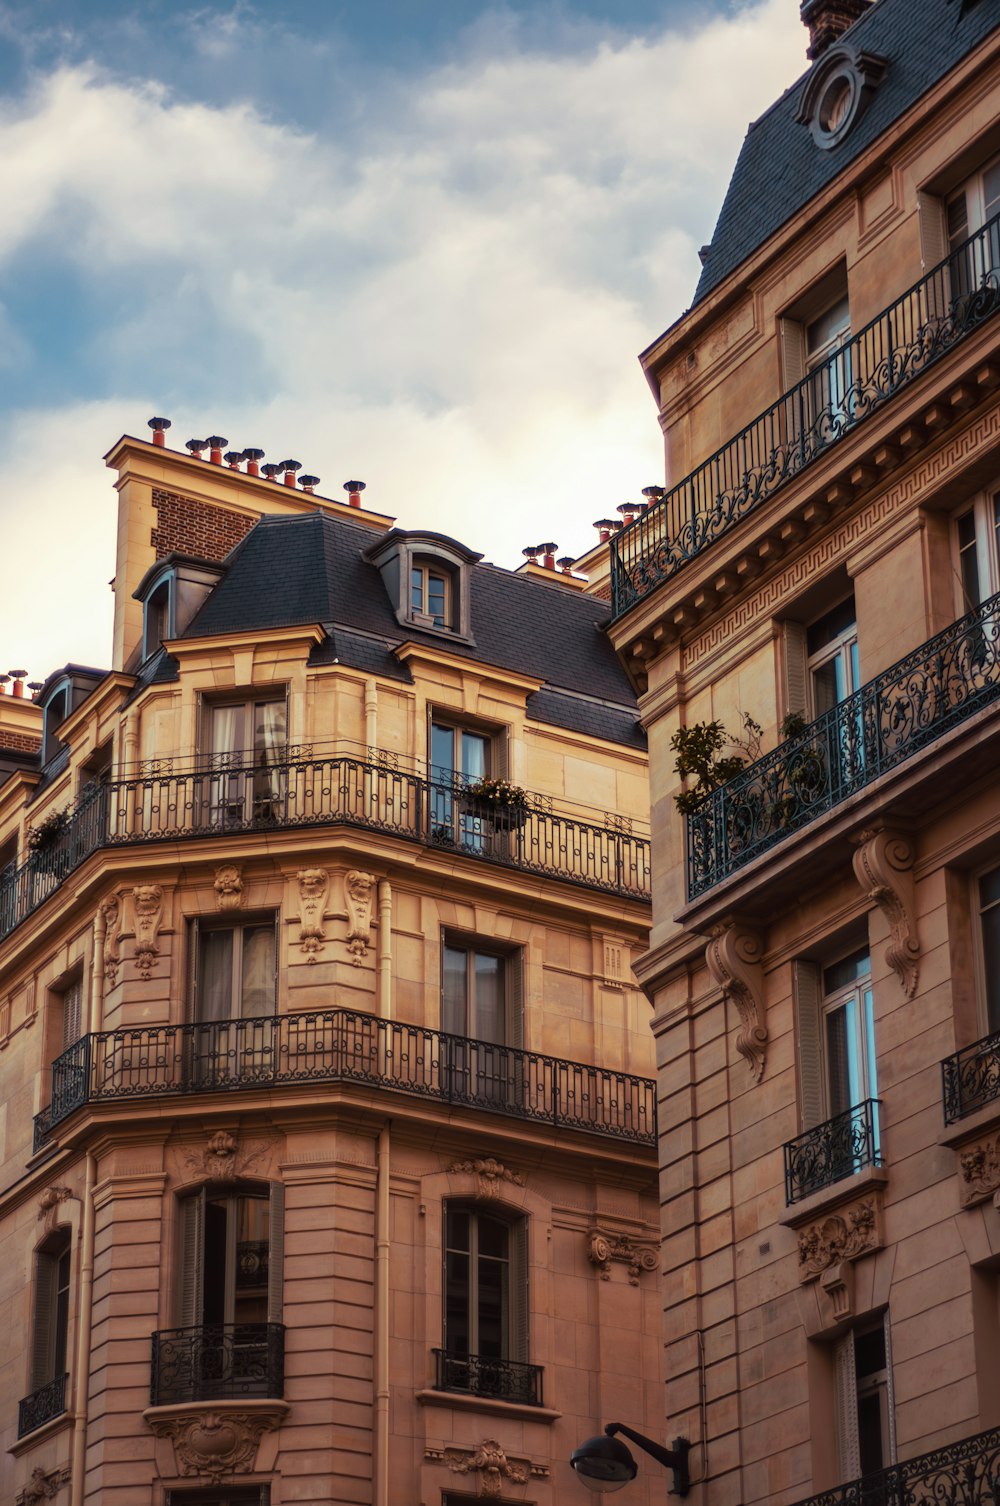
column 41, row 1406
column 218, row 1361
column 959, row 1474
column 325, row 792
column 503, row 1380
column 906, row 339
column 832, row 1151
column 908, row 707
column 343, row 1045
column 971, row 1078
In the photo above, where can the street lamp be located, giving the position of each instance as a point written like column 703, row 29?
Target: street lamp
column 603, row 1464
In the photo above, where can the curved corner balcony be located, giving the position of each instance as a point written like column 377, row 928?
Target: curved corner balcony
column 323, row 792
column 347, row 1047
column 906, row 709
column 897, row 347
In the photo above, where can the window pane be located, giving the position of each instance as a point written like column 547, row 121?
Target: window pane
column 457, row 1229
column 958, row 219
column 491, row 1308
column 870, row 1442
column 846, row 972
column 989, row 889
column 454, row 1001
column 416, row 590
column 991, row 191
column 215, row 975
column 842, row 1059
column 836, row 624
column 474, row 761
column 442, row 749
column 488, row 1024
column 991, row 964
column 258, row 972
column 436, row 598
column 458, row 1336
column 868, row 1008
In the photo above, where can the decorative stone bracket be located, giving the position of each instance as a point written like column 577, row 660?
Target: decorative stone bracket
column 42, row 1486
column 489, row 1461
column 490, row 1175
column 147, row 912
column 979, row 1171
column 314, row 884
column 214, row 1439
column 228, row 887
column 883, row 864
column 828, row 1244
column 358, row 887
column 605, row 1246
column 734, row 960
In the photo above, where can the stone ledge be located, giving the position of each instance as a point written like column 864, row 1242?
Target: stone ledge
column 464, row 1402
column 216, row 1438
column 829, row 1199
column 41, row 1435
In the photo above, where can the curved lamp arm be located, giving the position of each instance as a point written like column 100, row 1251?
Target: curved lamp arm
column 675, row 1458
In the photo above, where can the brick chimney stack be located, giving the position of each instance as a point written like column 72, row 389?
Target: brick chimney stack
column 827, row 21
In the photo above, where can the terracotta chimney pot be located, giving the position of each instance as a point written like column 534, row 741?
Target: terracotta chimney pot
column 290, row 467
column 215, row 444
column 252, row 457
column 354, row 490
column 196, row 446
column 827, row 21
column 159, row 427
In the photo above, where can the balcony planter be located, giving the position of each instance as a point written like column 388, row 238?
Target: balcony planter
column 503, row 805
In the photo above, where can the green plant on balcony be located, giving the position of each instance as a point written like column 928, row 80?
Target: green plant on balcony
column 496, row 800
column 700, row 758
column 46, row 834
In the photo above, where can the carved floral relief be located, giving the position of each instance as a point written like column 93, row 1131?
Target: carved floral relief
column 314, row 883
column 604, row 1246
column 111, row 910
column 490, row 1175
column 489, row 1461
column 839, row 1237
column 358, row 887
column 228, row 887
column 979, row 1170
column 215, row 1443
column 147, row 903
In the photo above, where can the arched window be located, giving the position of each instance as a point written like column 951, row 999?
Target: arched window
column 486, row 1305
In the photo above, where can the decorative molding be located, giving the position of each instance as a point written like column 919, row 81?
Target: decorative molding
column 223, row 1158
column 734, row 960
column 314, row 883
column 883, row 866
column 605, row 1246
column 837, row 1282
column 490, row 1174
column 43, row 1486
column 228, row 887
column 147, row 902
column 49, row 1203
column 489, row 1461
column 358, row 887
column 759, row 605
column 979, row 1171
column 216, row 1441
column 615, row 965
column 839, row 1238
column 111, row 956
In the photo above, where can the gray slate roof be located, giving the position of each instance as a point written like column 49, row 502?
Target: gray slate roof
column 311, row 568
column 780, row 168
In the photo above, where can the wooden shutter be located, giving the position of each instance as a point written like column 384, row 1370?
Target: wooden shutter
column 72, row 1001
column 191, row 1286
column 192, row 969
column 519, row 1305
column 848, row 1445
column 276, row 1253
column 806, row 992
column 933, row 250
column 513, row 982
column 44, row 1319
column 793, row 352
column 890, row 1400
column 796, row 659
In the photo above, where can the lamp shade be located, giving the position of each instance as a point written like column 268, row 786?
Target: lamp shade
column 603, row 1464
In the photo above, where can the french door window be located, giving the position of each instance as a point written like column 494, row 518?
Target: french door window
column 245, row 742
column 459, row 756
column 828, row 361
column 481, row 1011
column 485, row 1299
column 977, row 533
column 865, row 1420
column 849, row 1034
column 234, row 990
column 988, row 891
column 832, row 645
column 969, row 210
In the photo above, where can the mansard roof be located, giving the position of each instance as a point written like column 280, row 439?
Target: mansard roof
column 781, row 168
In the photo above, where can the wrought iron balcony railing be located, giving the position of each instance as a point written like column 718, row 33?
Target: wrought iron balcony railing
column 41, row 1406
column 958, row 1474
column 900, row 343
column 343, row 1045
column 326, row 792
column 218, row 1362
column 503, row 1380
column 937, row 687
column 971, row 1078
column 832, row 1151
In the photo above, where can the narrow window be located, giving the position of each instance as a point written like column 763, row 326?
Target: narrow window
column 245, row 742
column 832, row 648
column 849, row 1033
column 485, row 1307
column 977, row 545
column 49, row 1335
column 988, row 892
column 430, row 594
column 865, row 1423
column 481, row 1013
column 232, row 991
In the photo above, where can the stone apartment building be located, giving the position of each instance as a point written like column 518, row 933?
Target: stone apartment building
column 327, row 1127
column 825, row 964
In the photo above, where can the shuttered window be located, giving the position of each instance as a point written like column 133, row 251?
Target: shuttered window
column 50, row 1331
column 806, row 988
column 866, row 1434
column 72, row 1012
column 232, row 1257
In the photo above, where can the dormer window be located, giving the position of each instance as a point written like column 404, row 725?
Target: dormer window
column 56, row 712
column 426, row 576
column 171, row 593
column 837, row 91
column 61, row 694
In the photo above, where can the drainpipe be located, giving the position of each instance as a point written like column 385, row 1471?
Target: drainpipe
column 81, row 1364
column 371, row 715
column 385, row 949
column 381, row 1451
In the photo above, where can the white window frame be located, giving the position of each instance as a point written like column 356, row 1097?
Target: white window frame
column 985, row 986
column 983, row 546
column 857, row 997
column 843, row 647
column 848, row 1395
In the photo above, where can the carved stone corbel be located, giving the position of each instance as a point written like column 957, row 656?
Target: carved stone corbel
column 218, row 1440
column 147, row 903
column 734, row 959
column 979, row 1171
column 490, row 1174
column 837, row 1239
column 43, row 1486
column 111, row 910
column 358, row 888
column 50, row 1202
column 313, row 886
column 604, row 1246
column 489, row 1461
column 883, row 864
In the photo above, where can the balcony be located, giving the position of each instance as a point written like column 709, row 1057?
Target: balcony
column 908, row 707
column 901, row 343
column 42, row 1406
column 218, row 1362
column 958, row 1474
column 344, row 1046
column 310, row 793
column 844, row 1145
column 971, row 1078
column 501, row 1380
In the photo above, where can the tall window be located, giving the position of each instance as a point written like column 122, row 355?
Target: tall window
column 481, row 1008
column 865, row 1425
column 828, row 360
column 233, row 987
column 50, row 1337
column 485, row 1305
column 988, row 894
column 459, row 756
column 967, row 210
column 832, row 647
column 245, row 741
column 70, row 1003
column 977, row 541
column 849, row 1033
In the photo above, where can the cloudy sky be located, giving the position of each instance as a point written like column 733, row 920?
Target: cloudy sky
column 420, row 242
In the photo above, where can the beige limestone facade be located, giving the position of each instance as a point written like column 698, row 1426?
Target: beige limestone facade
column 327, row 1138
column 823, row 963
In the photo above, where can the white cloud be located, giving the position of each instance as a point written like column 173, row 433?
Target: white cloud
column 446, row 299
